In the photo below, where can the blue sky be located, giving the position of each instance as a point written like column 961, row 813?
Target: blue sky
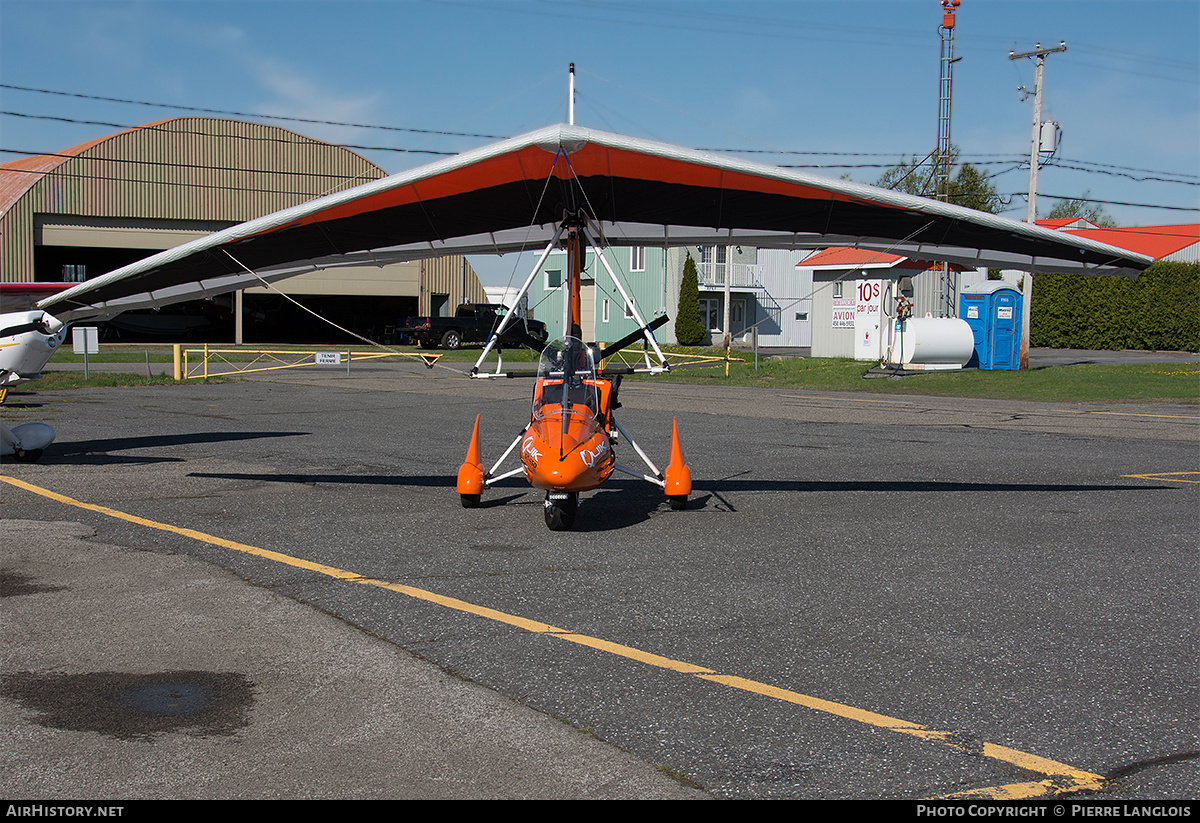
column 852, row 84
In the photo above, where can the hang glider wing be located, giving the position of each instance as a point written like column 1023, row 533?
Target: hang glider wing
column 510, row 196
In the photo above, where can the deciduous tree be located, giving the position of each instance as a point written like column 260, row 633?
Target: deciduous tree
column 1081, row 208
column 969, row 188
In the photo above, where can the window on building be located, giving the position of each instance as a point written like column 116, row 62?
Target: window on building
column 74, row 273
column 628, row 311
column 637, row 258
column 553, row 279
column 837, row 288
column 713, row 264
column 604, row 311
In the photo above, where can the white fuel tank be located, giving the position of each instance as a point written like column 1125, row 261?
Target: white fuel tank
column 933, row 340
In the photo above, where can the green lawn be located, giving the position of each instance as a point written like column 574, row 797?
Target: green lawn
column 1144, row 382
column 1132, row 383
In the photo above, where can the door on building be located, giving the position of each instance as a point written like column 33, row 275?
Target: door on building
column 737, row 316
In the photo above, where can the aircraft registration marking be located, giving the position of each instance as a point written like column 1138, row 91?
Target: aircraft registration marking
column 1059, row 777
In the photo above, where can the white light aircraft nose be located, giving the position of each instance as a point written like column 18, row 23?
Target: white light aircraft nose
column 28, row 339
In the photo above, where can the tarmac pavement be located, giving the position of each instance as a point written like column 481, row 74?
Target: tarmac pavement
column 130, row 674
column 137, row 675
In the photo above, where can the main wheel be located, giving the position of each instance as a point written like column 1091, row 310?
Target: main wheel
column 470, row 501
column 560, row 512
column 451, row 339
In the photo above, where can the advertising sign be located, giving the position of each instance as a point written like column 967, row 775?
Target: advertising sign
column 868, row 320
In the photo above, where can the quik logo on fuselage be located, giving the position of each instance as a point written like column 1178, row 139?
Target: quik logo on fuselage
column 590, row 458
column 528, row 451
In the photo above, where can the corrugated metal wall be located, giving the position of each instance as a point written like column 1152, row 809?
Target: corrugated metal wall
column 199, row 169
column 785, row 300
column 1188, row 254
column 186, row 170
column 451, row 276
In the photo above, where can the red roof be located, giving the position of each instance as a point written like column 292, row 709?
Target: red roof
column 843, row 257
column 1152, row 241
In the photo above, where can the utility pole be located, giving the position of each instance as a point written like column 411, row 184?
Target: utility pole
column 1034, row 145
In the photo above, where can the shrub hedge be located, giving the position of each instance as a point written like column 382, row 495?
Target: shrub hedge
column 1160, row 311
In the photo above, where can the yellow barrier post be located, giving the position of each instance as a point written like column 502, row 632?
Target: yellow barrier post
column 178, row 350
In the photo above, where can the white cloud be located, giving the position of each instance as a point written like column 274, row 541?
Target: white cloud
column 294, row 94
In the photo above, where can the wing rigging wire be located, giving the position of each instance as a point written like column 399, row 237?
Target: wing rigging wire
column 533, row 219
column 599, row 225
column 271, row 287
column 778, row 312
column 780, row 309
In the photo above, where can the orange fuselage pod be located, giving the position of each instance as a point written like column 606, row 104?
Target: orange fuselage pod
column 566, row 449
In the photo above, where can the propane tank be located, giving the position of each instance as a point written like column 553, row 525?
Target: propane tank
column 944, row 341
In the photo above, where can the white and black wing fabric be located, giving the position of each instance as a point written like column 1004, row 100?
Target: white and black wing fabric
column 511, row 196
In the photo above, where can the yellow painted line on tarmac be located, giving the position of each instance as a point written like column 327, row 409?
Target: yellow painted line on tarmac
column 1128, row 414
column 844, row 399
column 1059, row 777
column 185, row 532
column 1060, row 771
column 1174, row 477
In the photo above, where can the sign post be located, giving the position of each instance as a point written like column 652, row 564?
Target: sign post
column 86, row 340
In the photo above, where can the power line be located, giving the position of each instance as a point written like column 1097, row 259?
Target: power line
column 1066, row 164
column 785, row 152
column 162, row 128
column 306, row 195
column 1159, row 176
column 246, row 114
column 1107, row 202
column 200, row 167
column 165, row 164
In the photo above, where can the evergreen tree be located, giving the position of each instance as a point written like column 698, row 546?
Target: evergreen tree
column 689, row 330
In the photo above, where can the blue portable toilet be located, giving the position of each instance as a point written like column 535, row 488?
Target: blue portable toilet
column 993, row 311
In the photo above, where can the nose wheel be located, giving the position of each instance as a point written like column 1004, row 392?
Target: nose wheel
column 560, row 508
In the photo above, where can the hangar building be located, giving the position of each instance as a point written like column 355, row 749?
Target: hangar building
column 85, row 211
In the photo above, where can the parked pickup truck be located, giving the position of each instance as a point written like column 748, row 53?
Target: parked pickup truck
column 474, row 323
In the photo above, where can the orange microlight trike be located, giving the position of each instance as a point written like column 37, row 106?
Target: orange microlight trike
column 569, row 445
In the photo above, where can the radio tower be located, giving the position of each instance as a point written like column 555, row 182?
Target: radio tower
column 941, row 155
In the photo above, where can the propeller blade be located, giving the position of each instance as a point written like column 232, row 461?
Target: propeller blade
column 633, row 338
